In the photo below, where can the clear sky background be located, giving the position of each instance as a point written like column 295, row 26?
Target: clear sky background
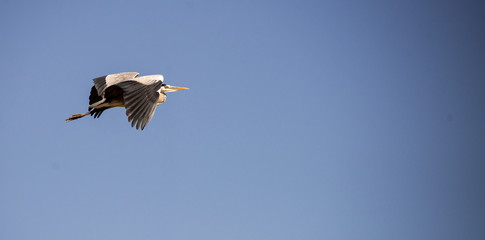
column 304, row 120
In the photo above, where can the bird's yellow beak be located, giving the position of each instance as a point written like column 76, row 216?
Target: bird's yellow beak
column 173, row 88
column 169, row 88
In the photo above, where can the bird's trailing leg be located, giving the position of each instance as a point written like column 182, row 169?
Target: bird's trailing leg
column 76, row 116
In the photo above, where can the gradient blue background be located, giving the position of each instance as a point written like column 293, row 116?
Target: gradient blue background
column 304, row 120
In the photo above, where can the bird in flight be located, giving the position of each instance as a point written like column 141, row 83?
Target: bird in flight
column 139, row 95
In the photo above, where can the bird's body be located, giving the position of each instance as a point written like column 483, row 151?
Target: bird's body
column 139, row 95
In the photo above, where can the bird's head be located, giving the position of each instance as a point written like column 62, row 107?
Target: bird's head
column 167, row 88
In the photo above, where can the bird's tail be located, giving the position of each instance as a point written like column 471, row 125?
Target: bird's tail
column 76, row 116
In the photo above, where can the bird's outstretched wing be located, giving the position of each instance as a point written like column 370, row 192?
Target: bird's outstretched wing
column 101, row 83
column 140, row 101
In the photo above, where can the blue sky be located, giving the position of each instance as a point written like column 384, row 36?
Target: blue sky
column 304, row 120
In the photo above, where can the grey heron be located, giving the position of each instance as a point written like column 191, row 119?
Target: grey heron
column 139, row 95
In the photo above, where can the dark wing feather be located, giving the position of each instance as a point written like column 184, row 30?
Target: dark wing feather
column 100, row 84
column 140, row 101
column 94, row 97
column 112, row 93
column 97, row 112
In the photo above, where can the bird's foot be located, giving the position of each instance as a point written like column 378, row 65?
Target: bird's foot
column 76, row 116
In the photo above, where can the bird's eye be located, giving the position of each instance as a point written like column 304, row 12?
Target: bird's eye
column 166, row 86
